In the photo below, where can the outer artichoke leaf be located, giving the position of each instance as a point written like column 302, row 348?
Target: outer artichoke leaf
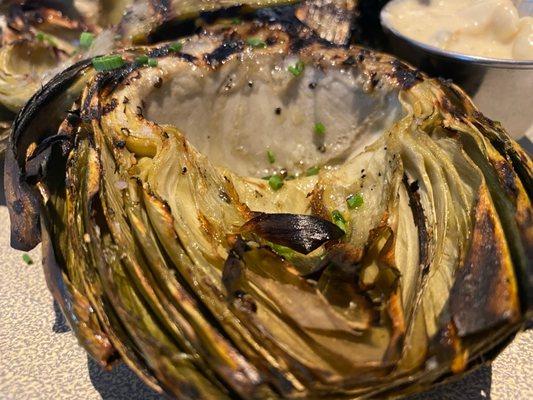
column 55, row 98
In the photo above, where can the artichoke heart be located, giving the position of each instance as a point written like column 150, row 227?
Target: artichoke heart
column 260, row 215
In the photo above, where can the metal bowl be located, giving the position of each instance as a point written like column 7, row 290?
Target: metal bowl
column 502, row 89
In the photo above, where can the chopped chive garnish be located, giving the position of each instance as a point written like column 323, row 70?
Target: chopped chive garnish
column 338, row 219
column 312, row 171
column 283, row 251
column 271, row 157
column 108, row 63
column 236, row 21
column 355, row 201
column 41, row 36
column 256, row 42
column 320, row 129
column 141, row 60
column 175, row 47
column 152, row 62
column 86, row 39
column 275, row 182
column 297, row 69
column 27, row 259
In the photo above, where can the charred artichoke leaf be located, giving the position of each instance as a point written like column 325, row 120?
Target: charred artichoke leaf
column 143, row 18
column 159, row 191
column 331, row 20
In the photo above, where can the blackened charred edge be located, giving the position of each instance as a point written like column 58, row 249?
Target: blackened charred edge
column 454, row 102
column 23, row 199
column 37, row 162
column 420, row 222
column 505, row 146
column 89, row 113
column 406, row 76
column 506, row 176
column 481, row 297
column 164, row 51
column 108, row 81
column 224, row 51
column 23, row 204
column 109, row 106
column 43, row 97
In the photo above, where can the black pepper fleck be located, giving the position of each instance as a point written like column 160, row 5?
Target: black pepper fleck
column 158, row 82
column 312, row 85
column 184, row 170
column 278, row 111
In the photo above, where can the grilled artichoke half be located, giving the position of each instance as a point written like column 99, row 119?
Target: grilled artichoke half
column 391, row 250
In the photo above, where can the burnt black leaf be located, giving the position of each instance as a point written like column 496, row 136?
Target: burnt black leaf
column 302, row 233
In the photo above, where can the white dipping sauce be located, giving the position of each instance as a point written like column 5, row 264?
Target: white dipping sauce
column 486, row 28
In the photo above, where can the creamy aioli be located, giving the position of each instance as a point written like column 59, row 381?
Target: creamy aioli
column 486, row 28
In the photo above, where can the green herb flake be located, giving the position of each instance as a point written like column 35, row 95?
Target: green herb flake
column 236, row 21
column 312, row 171
column 355, row 201
column 275, row 182
column 86, row 40
column 271, row 157
column 175, row 47
column 297, row 69
column 256, row 43
column 338, row 219
column 41, row 36
column 108, row 63
column 27, row 259
column 282, row 251
column 142, row 60
column 152, row 62
column 320, row 129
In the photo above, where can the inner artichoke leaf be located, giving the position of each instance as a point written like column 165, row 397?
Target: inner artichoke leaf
column 303, row 233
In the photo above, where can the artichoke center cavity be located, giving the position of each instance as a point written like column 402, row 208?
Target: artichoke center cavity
column 256, row 118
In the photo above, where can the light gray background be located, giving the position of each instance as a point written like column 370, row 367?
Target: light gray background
column 40, row 358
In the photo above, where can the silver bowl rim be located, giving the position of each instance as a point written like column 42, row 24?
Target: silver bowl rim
column 460, row 57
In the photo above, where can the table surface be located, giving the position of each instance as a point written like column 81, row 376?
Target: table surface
column 40, row 358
